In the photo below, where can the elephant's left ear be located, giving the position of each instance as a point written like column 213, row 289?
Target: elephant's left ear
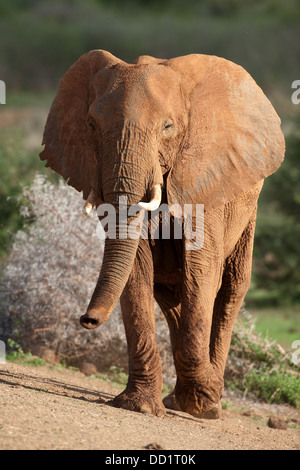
column 233, row 140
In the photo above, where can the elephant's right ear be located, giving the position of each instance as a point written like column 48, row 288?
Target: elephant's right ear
column 68, row 148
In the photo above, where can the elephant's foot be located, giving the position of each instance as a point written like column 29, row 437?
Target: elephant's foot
column 214, row 412
column 170, row 402
column 198, row 408
column 137, row 400
column 202, row 400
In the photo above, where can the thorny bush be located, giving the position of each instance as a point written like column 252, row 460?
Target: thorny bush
column 50, row 276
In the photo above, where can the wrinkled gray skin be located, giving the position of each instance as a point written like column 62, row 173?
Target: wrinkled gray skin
column 200, row 127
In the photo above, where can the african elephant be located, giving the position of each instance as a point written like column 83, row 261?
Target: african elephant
column 192, row 130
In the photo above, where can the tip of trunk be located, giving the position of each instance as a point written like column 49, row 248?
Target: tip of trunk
column 94, row 318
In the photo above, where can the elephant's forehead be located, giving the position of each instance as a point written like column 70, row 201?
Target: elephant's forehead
column 137, row 82
column 156, row 86
column 153, row 77
column 140, row 93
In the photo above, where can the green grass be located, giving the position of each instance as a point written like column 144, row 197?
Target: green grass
column 275, row 386
column 17, row 355
column 281, row 324
column 29, row 98
column 261, row 366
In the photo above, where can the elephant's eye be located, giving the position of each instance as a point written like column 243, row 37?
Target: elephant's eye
column 167, row 128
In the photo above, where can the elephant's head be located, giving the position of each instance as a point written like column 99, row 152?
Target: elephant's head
column 197, row 124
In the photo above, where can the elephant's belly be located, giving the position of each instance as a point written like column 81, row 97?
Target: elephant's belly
column 167, row 265
column 168, row 278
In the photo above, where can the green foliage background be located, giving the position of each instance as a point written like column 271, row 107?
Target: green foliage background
column 277, row 250
column 40, row 39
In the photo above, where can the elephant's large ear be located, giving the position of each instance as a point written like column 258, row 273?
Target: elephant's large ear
column 233, row 140
column 68, row 148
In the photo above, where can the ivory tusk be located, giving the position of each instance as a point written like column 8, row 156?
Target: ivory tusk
column 87, row 208
column 155, row 199
column 90, row 202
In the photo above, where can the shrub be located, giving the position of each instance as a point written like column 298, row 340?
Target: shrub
column 261, row 367
column 50, row 276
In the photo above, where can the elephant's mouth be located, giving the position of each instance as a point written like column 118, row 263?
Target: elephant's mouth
column 152, row 205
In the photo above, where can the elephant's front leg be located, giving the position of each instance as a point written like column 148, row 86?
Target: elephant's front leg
column 143, row 391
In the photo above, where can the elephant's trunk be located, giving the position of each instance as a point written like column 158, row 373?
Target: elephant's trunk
column 117, row 264
column 132, row 174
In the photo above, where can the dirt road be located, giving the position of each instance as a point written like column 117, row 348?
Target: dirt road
column 46, row 408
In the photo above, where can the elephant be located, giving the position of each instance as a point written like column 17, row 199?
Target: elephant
column 191, row 130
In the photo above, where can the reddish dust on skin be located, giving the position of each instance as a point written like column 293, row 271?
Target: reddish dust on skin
column 201, row 123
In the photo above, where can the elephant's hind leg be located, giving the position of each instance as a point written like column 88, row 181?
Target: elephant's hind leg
column 143, row 391
column 235, row 284
column 201, row 356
